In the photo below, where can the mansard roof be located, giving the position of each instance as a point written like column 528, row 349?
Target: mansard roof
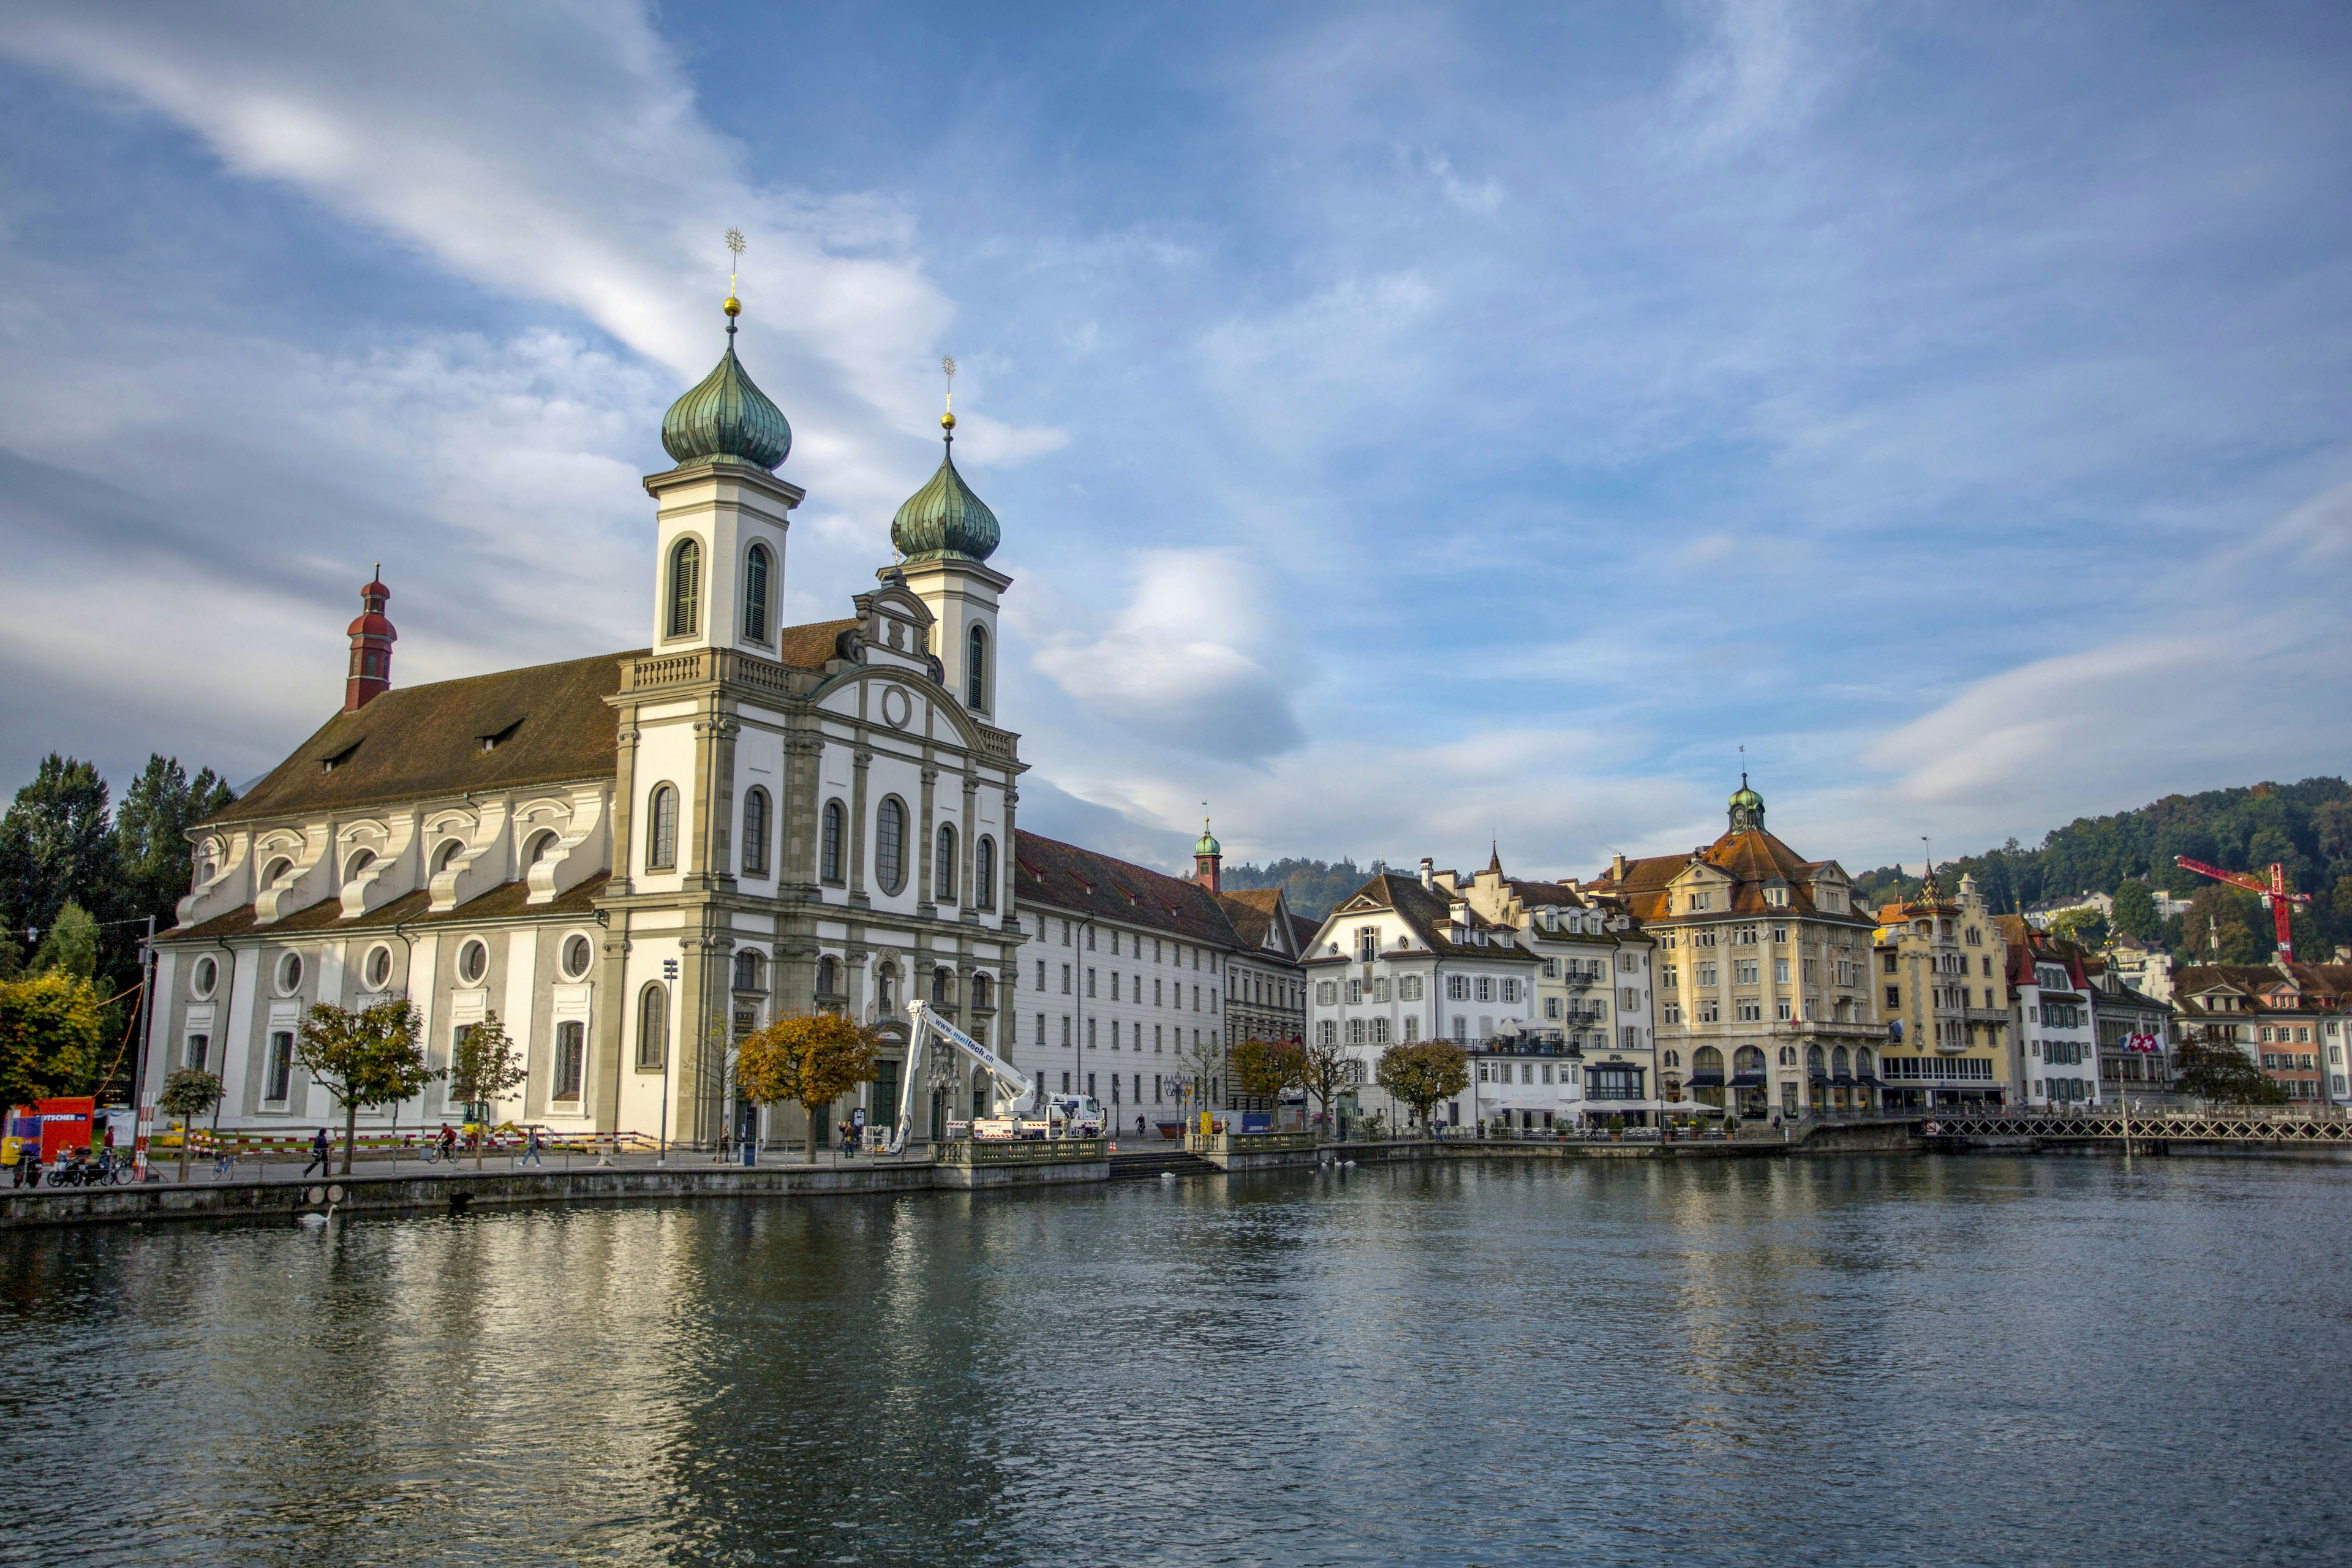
column 548, row 724
column 1064, row 877
column 507, row 901
column 1429, row 915
column 1751, row 859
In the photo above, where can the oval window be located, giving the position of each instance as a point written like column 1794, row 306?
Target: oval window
column 578, row 952
column 289, row 974
column 207, row 976
column 377, row 971
column 473, row 963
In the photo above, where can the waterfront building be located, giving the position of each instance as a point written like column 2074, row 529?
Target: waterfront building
column 1123, row 993
column 2289, row 1018
column 633, row 858
column 1763, row 1002
column 2135, row 1034
column 1401, row 960
column 1592, row 985
column 1943, row 981
column 2055, row 1064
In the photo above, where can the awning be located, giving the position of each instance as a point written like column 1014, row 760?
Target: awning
column 1748, row 1081
column 1868, row 1078
column 1706, row 1081
column 1689, row 1108
column 1841, row 1078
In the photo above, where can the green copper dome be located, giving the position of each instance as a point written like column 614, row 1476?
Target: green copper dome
column 727, row 417
column 1208, row 843
column 1745, row 808
column 944, row 518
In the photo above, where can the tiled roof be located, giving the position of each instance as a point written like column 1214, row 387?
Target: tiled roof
column 1751, row 859
column 413, row 743
column 506, row 901
column 1428, row 914
column 1066, row 877
column 2324, row 987
column 809, row 646
column 1251, row 912
column 1537, row 895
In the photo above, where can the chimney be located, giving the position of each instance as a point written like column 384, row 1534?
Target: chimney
column 372, row 639
column 1428, row 873
column 1617, row 867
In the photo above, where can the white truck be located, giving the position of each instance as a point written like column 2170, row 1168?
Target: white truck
column 1065, row 1115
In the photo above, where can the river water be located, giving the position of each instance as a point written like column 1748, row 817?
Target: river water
column 1942, row 1360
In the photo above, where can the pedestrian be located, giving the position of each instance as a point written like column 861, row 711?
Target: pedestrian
column 1139, row 1124
column 32, row 1167
column 12, row 1156
column 319, row 1149
column 530, row 1149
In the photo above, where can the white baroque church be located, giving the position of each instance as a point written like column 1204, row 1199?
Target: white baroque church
column 635, row 858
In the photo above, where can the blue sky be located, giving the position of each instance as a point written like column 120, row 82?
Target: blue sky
column 1411, row 426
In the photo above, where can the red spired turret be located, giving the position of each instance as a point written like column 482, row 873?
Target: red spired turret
column 372, row 640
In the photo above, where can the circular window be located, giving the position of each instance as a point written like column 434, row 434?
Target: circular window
column 207, row 976
column 473, row 963
column 289, row 975
column 578, row 953
column 376, row 972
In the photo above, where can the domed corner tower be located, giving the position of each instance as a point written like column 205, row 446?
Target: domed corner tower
column 946, row 534
column 721, row 514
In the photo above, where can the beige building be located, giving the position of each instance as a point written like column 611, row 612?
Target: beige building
column 1762, row 990
column 1943, row 982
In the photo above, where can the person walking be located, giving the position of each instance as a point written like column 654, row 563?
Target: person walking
column 321, row 1148
column 530, row 1149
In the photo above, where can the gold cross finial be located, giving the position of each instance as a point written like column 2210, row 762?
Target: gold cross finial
column 735, row 249
column 947, row 418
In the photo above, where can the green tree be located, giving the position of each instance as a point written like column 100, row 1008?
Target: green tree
column 2214, row 1069
column 483, row 1069
column 70, row 944
column 2136, row 911
column 811, row 1059
column 1423, row 1073
column 1267, row 1068
column 367, row 1057
column 188, row 1093
column 56, row 843
column 2223, row 925
column 49, row 1029
column 150, row 830
column 2084, row 927
column 1325, row 1070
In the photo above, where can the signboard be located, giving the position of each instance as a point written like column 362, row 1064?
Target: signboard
column 65, row 1124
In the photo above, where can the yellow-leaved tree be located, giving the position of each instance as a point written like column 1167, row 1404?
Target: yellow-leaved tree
column 811, row 1060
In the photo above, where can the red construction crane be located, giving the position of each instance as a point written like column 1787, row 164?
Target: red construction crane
column 2273, row 893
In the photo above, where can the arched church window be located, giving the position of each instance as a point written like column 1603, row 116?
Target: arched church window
column 541, row 843
column 685, row 589
column 944, row 874
column 890, row 844
column 360, row 861
column 274, row 870
column 661, row 830
column 652, row 1028
column 984, row 874
column 748, row 971
column 828, row 976
column 943, row 987
column 755, row 832
column 975, row 676
column 980, row 991
column 755, row 594
column 829, row 850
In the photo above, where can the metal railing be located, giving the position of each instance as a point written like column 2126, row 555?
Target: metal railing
column 1021, row 1151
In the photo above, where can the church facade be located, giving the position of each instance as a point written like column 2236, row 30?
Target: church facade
column 635, row 858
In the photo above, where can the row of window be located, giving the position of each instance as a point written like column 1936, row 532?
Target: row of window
column 890, row 835
column 375, row 967
column 277, row 1067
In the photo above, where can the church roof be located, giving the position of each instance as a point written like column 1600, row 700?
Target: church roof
column 505, row 902
column 547, row 724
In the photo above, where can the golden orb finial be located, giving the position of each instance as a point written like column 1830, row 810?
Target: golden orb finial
column 733, row 307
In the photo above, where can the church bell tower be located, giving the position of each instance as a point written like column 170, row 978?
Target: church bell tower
column 946, row 534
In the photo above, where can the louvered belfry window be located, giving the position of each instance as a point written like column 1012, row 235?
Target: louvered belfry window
column 685, row 589
column 755, row 594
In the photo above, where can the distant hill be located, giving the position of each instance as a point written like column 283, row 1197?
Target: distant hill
column 1314, row 886
column 2307, row 826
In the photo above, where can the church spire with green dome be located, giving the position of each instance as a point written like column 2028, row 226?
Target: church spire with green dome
column 1747, row 808
column 945, row 519
column 1209, row 860
column 725, row 418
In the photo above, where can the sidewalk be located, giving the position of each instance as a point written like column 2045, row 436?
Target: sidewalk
column 164, row 1169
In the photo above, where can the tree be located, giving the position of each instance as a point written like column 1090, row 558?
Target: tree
column 485, row 1069
column 2136, row 911
column 2223, row 925
column 49, row 1028
column 2215, row 1070
column 70, row 944
column 1423, row 1073
column 151, row 826
column 2085, row 929
column 367, row 1057
column 1202, row 1063
column 1268, row 1066
column 56, row 843
column 1325, row 1070
column 811, row 1059
column 187, row 1094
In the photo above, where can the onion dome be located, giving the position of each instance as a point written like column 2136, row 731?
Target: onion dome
column 1208, row 843
column 726, row 416
column 945, row 519
column 1745, row 808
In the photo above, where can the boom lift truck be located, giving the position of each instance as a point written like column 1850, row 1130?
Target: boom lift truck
column 1066, row 1115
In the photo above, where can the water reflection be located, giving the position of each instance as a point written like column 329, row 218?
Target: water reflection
column 1865, row 1361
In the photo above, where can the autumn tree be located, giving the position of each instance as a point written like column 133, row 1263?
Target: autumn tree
column 809, row 1061
column 1325, row 1070
column 367, row 1057
column 1423, row 1073
column 1269, row 1067
column 187, row 1094
column 484, row 1068
column 49, row 1030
